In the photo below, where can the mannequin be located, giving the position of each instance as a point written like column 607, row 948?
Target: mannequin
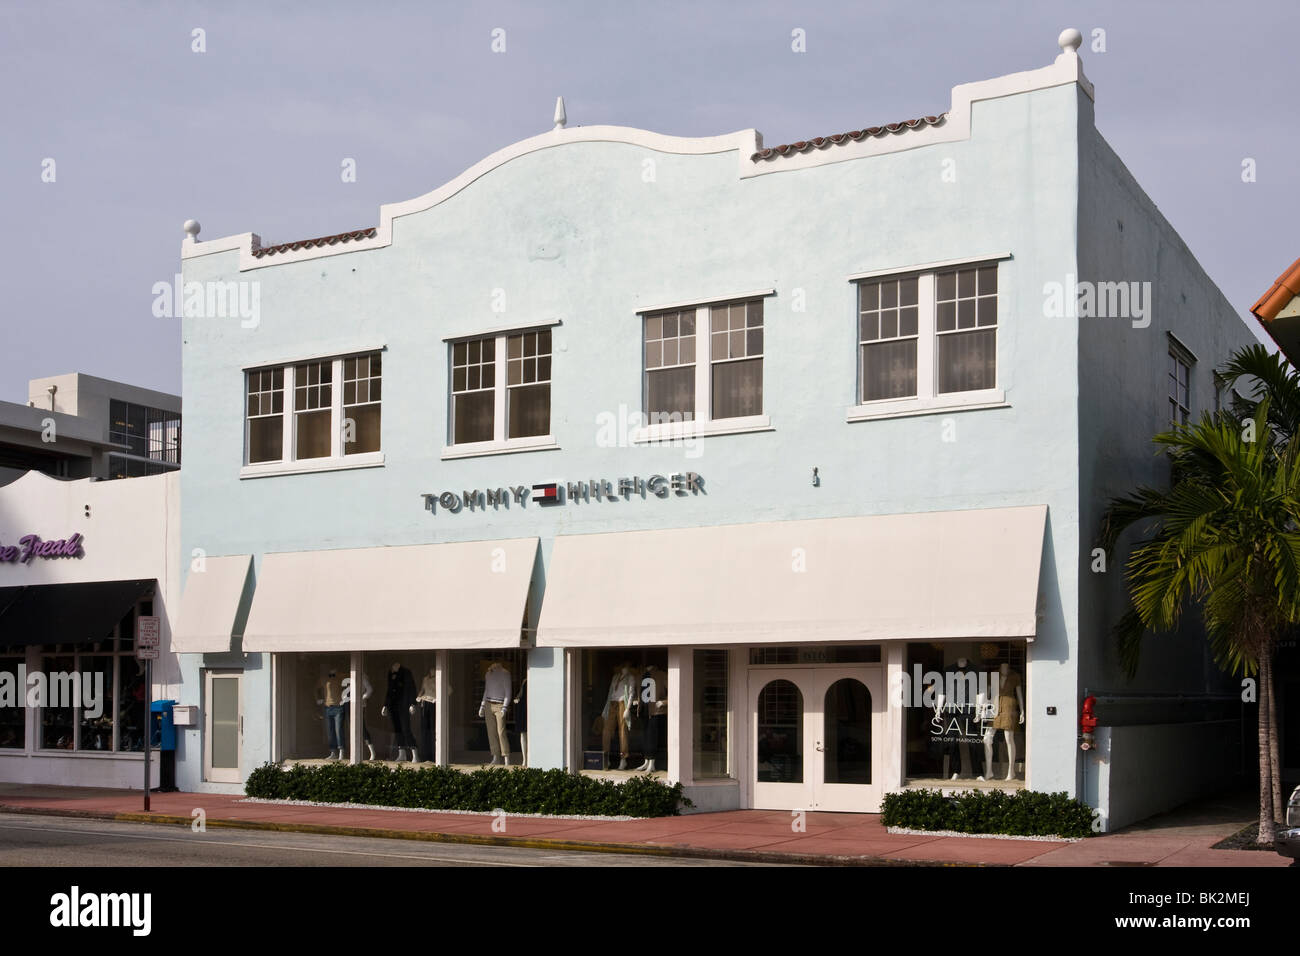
column 399, row 705
column 1008, row 715
column 366, row 691
column 956, row 748
column 492, row 708
column 329, row 694
column 521, row 720
column 654, row 701
column 618, row 710
column 427, row 704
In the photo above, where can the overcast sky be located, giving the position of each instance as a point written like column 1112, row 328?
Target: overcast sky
column 249, row 135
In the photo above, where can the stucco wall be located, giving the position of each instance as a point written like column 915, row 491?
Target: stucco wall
column 575, row 232
column 1123, row 401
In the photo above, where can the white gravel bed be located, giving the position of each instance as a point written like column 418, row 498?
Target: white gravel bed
column 470, row 813
column 908, row 831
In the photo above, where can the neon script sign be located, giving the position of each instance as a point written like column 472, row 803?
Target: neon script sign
column 30, row 546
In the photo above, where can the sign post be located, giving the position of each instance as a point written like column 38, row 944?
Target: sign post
column 148, row 639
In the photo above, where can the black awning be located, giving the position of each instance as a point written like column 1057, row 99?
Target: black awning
column 67, row 613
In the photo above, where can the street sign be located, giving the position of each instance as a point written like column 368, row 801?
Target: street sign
column 148, row 638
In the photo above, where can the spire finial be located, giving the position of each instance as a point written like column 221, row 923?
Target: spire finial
column 1069, row 40
column 191, row 228
column 560, row 117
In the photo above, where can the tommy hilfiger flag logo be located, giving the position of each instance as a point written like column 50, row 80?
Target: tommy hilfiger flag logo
column 546, row 494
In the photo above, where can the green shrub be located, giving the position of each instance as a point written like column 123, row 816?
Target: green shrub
column 519, row 790
column 1021, row 813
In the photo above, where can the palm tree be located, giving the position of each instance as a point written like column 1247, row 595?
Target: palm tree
column 1223, row 535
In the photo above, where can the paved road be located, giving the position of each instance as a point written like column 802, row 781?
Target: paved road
column 27, row 840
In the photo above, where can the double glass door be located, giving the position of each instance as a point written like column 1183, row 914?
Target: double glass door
column 816, row 737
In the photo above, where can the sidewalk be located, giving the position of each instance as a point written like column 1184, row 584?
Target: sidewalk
column 1181, row 838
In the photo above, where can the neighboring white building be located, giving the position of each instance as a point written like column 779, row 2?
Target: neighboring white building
column 82, row 426
column 81, row 559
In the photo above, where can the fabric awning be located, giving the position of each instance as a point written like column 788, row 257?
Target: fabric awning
column 453, row 595
column 68, row 613
column 951, row 574
column 214, row 606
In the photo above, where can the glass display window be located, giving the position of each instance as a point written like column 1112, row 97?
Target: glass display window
column 488, row 696
column 624, row 706
column 964, row 705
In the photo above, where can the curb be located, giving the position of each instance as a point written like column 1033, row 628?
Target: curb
column 473, row 839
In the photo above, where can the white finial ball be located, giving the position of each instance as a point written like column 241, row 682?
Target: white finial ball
column 191, row 228
column 1069, row 39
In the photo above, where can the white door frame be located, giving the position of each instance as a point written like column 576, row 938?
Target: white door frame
column 222, row 774
column 813, row 682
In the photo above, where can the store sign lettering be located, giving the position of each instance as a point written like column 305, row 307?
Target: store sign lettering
column 31, row 546
column 559, row 493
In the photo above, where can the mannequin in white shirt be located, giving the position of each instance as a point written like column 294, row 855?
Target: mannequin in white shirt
column 618, row 712
column 492, row 708
column 366, row 691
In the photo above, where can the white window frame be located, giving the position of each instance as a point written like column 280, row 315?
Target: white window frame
column 499, row 444
column 928, row 399
column 336, row 460
column 704, row 424
column 1185, row 360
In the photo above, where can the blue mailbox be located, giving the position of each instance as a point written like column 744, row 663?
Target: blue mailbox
column 163, row 727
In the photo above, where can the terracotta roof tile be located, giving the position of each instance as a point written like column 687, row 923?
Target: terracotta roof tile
column 353, row 236
column 1275, row 299
column 822, row 142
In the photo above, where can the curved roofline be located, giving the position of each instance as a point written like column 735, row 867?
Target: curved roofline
column 744, row 142
column 751, row 160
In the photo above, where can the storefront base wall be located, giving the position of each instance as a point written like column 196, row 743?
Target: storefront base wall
column 1140, row 771
column 710, row 798
column 117, row 773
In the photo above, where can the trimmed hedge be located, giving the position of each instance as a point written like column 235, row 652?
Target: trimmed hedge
column 518, row 790
column 1022, row 812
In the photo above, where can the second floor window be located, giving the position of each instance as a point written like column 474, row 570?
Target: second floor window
column 321, row 420
column 928, row 334
column 1180, row 401
column 501, row 388
column 704, row 363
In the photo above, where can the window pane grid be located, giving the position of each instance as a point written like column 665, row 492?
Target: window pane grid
column 888, row 333
column 670, row 340
column 966, row 316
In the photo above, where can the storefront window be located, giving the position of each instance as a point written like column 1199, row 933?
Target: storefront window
column 965, row 705
column 489, row 707
column 625, row 705
column 712, row 715
column 398, row 705
column 57, row 722
column 92, row 696
column 13, row 712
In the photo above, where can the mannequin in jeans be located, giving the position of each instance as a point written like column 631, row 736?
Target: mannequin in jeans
column 618, row 712
column 366, row 691
column 493, row 707
column 329, row 694
column 399, row 705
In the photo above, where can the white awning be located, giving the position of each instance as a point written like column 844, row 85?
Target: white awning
column 213, row 609
column 428, row 596
column 953, row 574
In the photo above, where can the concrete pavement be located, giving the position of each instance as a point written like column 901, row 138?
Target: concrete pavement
column 1182, row 838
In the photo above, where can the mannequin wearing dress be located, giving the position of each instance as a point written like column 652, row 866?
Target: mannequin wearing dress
column 1009, row 715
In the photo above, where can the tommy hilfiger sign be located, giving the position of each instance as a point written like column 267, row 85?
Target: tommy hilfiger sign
column 30, row 546
column 555, row 493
